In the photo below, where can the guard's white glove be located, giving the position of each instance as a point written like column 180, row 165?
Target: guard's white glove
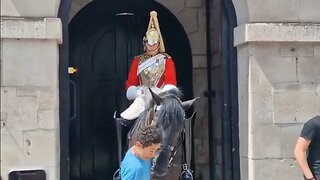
column 134, row 91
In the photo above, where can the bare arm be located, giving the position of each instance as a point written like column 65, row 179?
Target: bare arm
column 300, row 154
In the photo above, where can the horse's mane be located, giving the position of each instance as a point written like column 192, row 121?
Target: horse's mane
column 171, row 112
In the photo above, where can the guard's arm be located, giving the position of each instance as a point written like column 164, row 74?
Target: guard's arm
column 170, row 73
column 300, row 154
column 133, row 79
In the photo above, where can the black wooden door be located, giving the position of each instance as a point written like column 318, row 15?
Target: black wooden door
column 103, row 41
column 98, row 91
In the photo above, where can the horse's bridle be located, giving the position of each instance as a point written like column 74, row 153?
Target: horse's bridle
column 171, row 149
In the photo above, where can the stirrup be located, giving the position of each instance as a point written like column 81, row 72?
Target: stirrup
column 117, row 175
column 122, row 121
column 186, row 175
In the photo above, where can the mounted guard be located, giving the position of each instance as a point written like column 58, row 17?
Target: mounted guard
column 153, row 69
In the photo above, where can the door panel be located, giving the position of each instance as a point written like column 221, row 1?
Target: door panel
column 102, row 46
column 105, row 57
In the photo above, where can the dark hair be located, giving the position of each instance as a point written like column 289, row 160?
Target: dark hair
column 149, row 135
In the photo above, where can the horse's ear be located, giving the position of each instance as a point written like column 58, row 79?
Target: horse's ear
column 187, row 104
column 155, row 97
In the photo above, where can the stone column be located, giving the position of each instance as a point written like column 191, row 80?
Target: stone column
column 278, row 79
column 30, row 34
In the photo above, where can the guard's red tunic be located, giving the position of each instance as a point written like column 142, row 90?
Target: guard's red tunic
column 168, row 77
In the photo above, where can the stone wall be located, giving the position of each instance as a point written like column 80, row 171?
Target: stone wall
column 29, row 87
column 278, row 58
column 279, row 86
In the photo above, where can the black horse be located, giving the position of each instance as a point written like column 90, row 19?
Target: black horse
column 167, row 112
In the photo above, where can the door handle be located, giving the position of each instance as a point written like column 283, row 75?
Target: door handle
column 73, row 85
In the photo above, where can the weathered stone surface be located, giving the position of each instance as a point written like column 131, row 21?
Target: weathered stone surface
column 284, row 11
column 35, row 151
column 201, row 18
column 36, row 64
column 12, row 153
column 199, row 61
column 267, row 67
column 188, row 19
column 194, row 3
column 264, row 141
column 243, row 136
column 309, row 11
column 308, row 70
column 243, row 102
column 174, row 6
column 294, row 105
column 274, row 169
column 243, row 65
column 48, row 98
column 241, row 8
column 262, row 108
column 30, row 8
column 276, row 32
column 201, row 123
column 200, row 145
column 3, row 116
column 297, row 49
column 27, row 91
column 76, row 6
column 48, row 119
column 273, row 11
column 317, row 58
column 198, row 43
column 51, row 172
column 21, row 111
column 289, row 136
column 22, row 28
column 244, row 168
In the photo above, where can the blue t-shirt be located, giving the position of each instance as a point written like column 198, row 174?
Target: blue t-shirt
column 134, row 168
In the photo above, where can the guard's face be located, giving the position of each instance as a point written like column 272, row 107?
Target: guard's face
column 153, row 47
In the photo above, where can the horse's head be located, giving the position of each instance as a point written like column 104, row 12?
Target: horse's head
column 169, row 117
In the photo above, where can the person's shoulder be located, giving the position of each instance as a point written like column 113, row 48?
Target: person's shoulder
column 314, row 120
column 312, row 124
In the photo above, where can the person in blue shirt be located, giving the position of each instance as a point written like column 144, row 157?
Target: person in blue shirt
column 136, row 164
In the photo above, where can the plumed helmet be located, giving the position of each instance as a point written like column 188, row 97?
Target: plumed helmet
column 153, row 34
